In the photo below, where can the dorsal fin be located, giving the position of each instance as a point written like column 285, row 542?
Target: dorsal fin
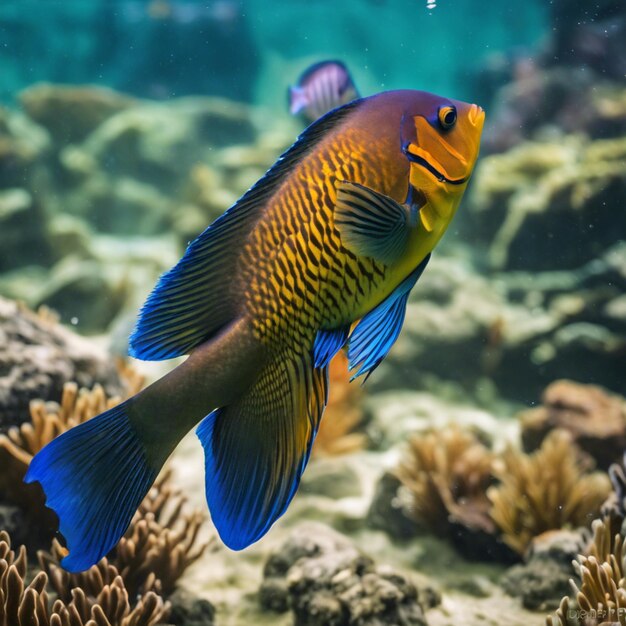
column 194, row 299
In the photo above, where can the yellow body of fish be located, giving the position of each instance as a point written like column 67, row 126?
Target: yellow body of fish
column 339, row 230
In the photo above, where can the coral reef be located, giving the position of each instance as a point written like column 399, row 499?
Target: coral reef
column 86, row 162
column 547, row 490
column 600, row 596
column 101, row 600
column 47, row 421
column 325, row 580
column 161, row 543
column 540, row 100
column 447, row 473
column 595, row 419
column 543, row 579
column 535, row 205
column 338, row 432
column 38, row 356
column 511, row 334
column 69, row 114
column 128, row 587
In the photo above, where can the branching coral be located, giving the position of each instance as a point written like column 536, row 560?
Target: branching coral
column 49, row 420
column 338, row 430
column 447, row 473
column 163, row 538
column 161, row 543
column 102, row 602
column 546, row 490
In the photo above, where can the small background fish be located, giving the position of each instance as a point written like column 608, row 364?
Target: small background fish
column 321, row 88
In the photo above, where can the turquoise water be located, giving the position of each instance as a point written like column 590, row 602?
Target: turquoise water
column 255, row 48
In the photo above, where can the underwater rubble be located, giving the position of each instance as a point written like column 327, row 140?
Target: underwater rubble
column 38, row 356
column 101, row 192
column 595, row 419
column 326, row 581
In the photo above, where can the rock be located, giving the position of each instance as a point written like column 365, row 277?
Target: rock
column 595, row 418
column 554, row 100
column 388, row 511
column 543, row 580
column 159, row 144
column 331, row 583
column 188, row 610
column 549, row 205
column 274, row 595
column 37, row 356
column 70, row 114
column 515, row 332
column 22, row 145
column 23, row 225
column 331, row 477
column 541, row 586
column 83, row 294
column 15, row 522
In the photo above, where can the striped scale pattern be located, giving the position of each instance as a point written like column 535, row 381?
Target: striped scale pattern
column 298, row 275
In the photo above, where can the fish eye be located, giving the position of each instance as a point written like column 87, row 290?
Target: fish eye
column 447, row 117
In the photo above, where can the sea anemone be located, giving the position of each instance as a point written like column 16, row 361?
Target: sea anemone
column 546, row 490
column 601, row 596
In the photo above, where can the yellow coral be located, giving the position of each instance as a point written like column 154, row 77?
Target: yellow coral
column 546, row 490
column 102, row 600
column 338, row 433
column 447, row 473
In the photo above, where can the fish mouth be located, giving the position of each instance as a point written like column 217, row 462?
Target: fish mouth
column 427, row 165
column 476, row 115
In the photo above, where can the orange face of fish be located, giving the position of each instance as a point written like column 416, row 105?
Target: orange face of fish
column 442, row 145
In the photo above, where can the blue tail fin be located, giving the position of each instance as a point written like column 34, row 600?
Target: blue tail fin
column 94, row 477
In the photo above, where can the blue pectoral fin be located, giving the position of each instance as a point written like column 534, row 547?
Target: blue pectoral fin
column 374, row 335
column 94, row 477
column 327, row 344
column 256, row 449
column 370, row 223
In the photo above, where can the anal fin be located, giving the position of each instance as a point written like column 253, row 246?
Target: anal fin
column 257, row 448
